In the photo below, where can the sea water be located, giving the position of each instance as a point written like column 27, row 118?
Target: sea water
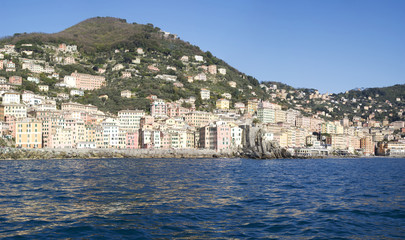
column 203, row 199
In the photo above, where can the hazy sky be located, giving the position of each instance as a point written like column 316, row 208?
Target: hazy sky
column 329, row 45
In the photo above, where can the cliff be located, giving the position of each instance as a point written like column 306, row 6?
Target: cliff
column 256, row 146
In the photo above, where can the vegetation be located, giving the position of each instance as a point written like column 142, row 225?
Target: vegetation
column 106, row 42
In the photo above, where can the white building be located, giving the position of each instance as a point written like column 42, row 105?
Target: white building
column 43, row 88
column 11, row 97
column 35, row 100
column 75, row 92
column 227, row 95
column 70, row 81
column 81, row 145
column 201, row 77
column 27, row 95
column 33, row 79
column 205, row 94
column 110, row 133
column 130, row 119
column 236, row 135
column 199, row 58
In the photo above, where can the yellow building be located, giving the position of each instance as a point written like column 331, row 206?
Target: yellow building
column 28, row 133
column 223, row 104
column 13, row 109
column 252, row 106
column 280, row 116
column 198, row 118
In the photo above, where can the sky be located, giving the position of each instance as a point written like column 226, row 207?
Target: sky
column 332, row 46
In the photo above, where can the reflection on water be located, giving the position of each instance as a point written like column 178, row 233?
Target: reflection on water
column 204, row 198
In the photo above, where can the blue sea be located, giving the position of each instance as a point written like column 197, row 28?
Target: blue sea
column 203, row 199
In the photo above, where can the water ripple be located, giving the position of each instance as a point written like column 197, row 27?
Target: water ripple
column 203, row 199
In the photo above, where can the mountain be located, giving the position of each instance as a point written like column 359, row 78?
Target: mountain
column 111, row 44
column 105, row 42
column 103, row 33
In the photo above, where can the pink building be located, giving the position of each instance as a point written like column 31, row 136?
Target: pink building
column 153, row 68
column 165, row 140
column 146, row 120
column 87, row 81
column 158, row 108
column 15, row 80
column 132, row 140
column 175, row 109
column 10, row 120
column 212, row 69
column 216, row 136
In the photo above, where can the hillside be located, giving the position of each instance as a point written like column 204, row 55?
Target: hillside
column 146, row 61
column 105, row 42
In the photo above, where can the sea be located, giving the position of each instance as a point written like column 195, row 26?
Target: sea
column 361, row 198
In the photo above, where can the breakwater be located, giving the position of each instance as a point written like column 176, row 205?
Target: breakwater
column 71, row 153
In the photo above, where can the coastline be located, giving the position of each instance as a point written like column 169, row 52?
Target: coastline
column 71, row 153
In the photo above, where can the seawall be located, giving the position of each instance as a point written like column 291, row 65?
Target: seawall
column 21, row 153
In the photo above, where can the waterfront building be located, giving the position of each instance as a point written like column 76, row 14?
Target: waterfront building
column 280, row 116
column 28, row 133
column 110, row 133
column 130, row 119
column 367, row 145
column 132, row 139
column 216, row 136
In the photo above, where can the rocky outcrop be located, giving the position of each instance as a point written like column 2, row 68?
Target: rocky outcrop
column 256, row 146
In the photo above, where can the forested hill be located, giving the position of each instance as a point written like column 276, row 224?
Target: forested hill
column 145, row 60
column 105, row 42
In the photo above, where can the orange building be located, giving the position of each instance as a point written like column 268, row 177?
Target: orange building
column 28, row 133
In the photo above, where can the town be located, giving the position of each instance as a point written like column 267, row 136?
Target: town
column 39, row 119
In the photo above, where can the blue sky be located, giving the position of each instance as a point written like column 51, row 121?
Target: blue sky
column 332, row 46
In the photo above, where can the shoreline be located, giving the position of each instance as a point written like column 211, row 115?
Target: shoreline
column 70, row 153
column 49, row 154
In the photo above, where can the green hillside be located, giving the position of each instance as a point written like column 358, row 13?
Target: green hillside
column 110, row 44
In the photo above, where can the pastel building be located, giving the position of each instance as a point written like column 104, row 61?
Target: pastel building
column 266, row 115
column 130, row 119
column 252, row 106
column 28, row 133
column 84, row 81
column 198, row 118
column 158, row 108
column 43, row 88
column 15, row 80
column 11, row 97
column 205, row 94
column 126, row 94
column 222, row 104
column 132, row 140
column 216, row 136
column 13, row 109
